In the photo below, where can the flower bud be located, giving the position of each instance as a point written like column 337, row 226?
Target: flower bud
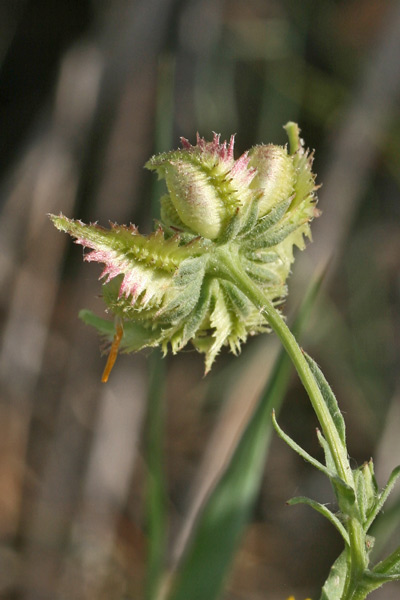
column 275, row 175
column 194, row 198
column 206, row 185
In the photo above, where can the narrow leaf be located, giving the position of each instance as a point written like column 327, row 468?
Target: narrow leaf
column 272, row 237
column 103, row 326
column 381, row 579
column 323, row 510
column 261, row 273
column 390, row 565
column 330, row 463
column 313, row 461
column 361, row 493
column 271, row 218
column 136, row 335
column 395, row 474
column 329, row 398
column 384, row 528
column 250, row 219
column 346, row 497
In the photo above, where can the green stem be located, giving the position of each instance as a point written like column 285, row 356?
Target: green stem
column 228, row 266
column 359, row 594
column 275, row 320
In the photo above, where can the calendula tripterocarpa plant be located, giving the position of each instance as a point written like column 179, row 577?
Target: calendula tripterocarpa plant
column 172, row 286
column 214, row 272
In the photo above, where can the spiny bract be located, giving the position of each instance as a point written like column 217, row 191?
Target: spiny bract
column 164, row 288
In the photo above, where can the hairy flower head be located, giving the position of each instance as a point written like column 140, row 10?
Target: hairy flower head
column 166, row 288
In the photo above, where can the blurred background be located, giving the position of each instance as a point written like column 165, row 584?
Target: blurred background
column 89, row 90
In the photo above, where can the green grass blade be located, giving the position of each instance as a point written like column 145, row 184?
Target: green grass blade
column 227, row 509
column 156, row 496
column 156, row 517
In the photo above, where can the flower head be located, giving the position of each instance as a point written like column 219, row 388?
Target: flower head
column 166, row 288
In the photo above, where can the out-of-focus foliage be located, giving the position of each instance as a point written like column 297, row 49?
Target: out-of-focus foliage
column 88, row 92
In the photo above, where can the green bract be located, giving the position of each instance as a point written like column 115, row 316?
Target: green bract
column 172, row 286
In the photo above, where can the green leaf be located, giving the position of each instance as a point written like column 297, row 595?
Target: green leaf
column 333, row 586
column 345, row 494
column 273, row 236
column 271, row 218
column 261, row 273
column 242, row 221
column 330, row 463
column 361, row 493
column 262, row 256
column 187, row 283
column 193, row 321
column 390, row 565
column 103, row 326
column 329, row 398
column 136, row 335
column 384, row 527
column 346, row 497
column 377, row 579
column 300, row 451
column 249, row 219
column 395, row 474
column 323, row 510
column 366, row 489
column 372, row 580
